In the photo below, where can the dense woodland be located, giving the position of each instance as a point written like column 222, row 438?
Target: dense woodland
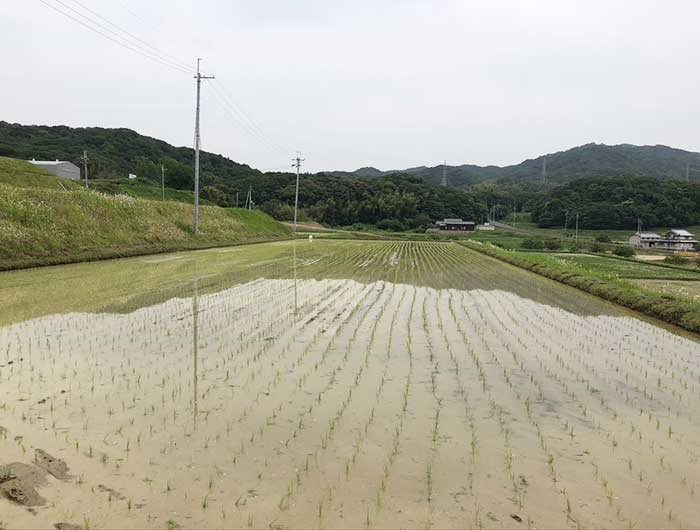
column 617, row 202
column 400, row 200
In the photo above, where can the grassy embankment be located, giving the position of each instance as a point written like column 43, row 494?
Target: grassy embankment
column 673, row 308
column 45, row 220
column 141, row 189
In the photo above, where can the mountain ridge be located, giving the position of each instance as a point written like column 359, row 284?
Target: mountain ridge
column 587, row 160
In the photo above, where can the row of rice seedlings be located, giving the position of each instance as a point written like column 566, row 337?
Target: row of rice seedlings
column 564, row 384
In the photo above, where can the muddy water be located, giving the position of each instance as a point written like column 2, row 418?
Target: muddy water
column 339, row 385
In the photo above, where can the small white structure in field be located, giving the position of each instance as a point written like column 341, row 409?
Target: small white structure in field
column 485, row 227
column 311, row 238
column 60, row 168
column 132, row 176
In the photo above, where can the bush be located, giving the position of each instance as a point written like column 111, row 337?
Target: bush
column 603, row 238
column 597, row 248
column 391, row 224
column 552, row 244
column 532, row 244
column 623, row 251
column 674, row 259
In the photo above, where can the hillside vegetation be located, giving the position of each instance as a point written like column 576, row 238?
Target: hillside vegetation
column 142, row 189
column 658, row 161
column 617, row 202
column 25, row 175
column 43, row 224
column 396, row 201
column 114, row 153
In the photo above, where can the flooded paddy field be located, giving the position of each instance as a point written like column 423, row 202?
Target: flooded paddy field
column 338, row 384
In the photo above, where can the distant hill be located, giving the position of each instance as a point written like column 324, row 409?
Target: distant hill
column 619, row 203
column 394, row 201
column 657, row 161
column 115, row 153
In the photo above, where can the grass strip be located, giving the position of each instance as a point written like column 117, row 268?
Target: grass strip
column 670, row 308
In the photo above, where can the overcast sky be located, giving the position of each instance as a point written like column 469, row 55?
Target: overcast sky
column 386, row 83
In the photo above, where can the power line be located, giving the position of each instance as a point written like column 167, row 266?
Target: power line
column 164, row 55
column 270, row 147
column 124, row 43
column 245, row 119
column 132, row 42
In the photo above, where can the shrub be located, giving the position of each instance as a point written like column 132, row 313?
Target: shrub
column 674, row 259
column 597, row 248
column 623, row 251
column 552, row 244
column 532, row 244
column 391, row 224
column 603, row 238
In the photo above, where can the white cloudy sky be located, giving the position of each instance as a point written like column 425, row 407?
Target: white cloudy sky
column 387, row 83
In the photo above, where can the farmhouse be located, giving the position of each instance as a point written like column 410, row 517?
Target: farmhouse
column 675, row 240
column 456, row 224
column 645, row 240
column 60, row 168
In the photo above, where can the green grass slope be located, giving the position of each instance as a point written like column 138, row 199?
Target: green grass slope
column 43, row 224
column 142, row 189
column 24, row 175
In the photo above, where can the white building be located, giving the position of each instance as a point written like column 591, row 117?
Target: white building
column 60, row 168
column 675, row 240
column 679, row 240
column 486, row 227
column 645, row 240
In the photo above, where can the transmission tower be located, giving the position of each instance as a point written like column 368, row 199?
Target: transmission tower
column 197, row 143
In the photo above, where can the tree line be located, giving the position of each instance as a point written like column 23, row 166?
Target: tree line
column 618, row 203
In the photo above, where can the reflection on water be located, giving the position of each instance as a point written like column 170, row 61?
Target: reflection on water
column 195, row 345
column 309, row 391
column 123, row 286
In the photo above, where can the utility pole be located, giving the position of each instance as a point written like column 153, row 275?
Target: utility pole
column 639, row 225
column 576, row 236
column 297, row 164
column 197, row 142
column 687, row 172
column 85, row 163
column 162, row 179
column 444, row 174
column 236, row 199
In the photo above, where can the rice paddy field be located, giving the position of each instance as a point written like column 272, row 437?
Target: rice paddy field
column 338, row 384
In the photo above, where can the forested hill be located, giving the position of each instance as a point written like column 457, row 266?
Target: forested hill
column 396, row 201
column 617, row 202
column 589, row 160
column 118, row 152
